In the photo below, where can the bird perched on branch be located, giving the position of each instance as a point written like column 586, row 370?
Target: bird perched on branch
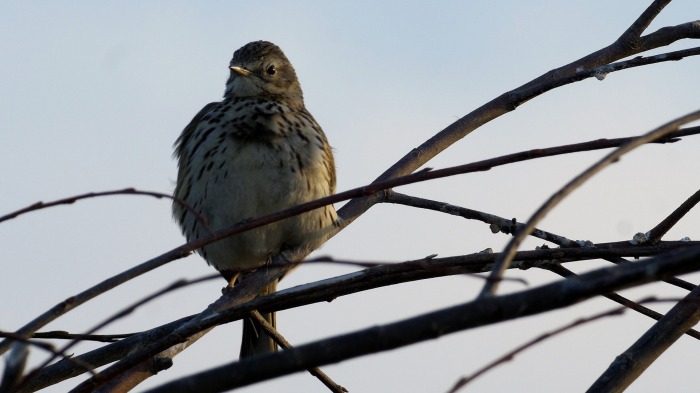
column 256, row 152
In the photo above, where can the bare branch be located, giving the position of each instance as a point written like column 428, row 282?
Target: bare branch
column 629, row 365
column 602, row 71
column 511, row 354
column 129, row 368
column 627, row 45
column 564, row 272
column 373, row 189
column 125, row 191
column 64, row 335
column 501, row 265
column 668, row 35
column 483, row 311
column 510, row 227
column 64, row 369
column 326, row 290
column 283, row 343
column 498, row 224
column 631, row 36
column 120, row 314
column 656, row 233
column 14, row 367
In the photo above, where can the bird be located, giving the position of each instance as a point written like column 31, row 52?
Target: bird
column 256, row 152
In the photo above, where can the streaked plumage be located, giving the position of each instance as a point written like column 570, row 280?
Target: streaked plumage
column 256, row 152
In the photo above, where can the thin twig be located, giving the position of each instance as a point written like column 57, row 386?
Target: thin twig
column 666, row 331
column 120, row 314
column 282, row 342
column 64, row 335
column 511, row 227
column 511, row 354
column 497, row 223
column 564, row 272
column 501, row 265
column 600, row 72
column 87, row 367
column 656, row 233
column 124, row 191
column 423, row 264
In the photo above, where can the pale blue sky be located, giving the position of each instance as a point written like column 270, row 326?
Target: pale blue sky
column 94, row 95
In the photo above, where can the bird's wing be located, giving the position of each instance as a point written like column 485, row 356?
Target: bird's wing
column 183, row 156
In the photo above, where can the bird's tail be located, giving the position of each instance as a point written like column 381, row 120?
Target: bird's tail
column 255, row 341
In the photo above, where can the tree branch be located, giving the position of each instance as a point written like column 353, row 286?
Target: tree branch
column 283, row 343
column 326, row 290
column 502, row 263
column 185, row 249
column 564, row 272
column 630, row 365
column 125, row 191
column 483, row 311
column 512, row 226
column 511, row 354
column 656, row 233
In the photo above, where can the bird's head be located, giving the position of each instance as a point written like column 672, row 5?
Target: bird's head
column 260, row 69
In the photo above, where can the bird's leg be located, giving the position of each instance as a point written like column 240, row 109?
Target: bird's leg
column 232, row 281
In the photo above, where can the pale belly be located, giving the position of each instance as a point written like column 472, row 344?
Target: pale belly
column 252, row 183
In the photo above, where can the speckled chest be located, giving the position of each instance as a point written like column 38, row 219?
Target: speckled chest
column 254, row 134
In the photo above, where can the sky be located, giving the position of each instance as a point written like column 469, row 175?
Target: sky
column 94, row 94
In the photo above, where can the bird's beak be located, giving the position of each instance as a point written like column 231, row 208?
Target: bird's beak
column 240, row 70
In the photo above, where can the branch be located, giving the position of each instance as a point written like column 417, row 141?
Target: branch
column 185, row 249
column 512, row 226
column 130, row 368
column 64, row 369
column 630, row 43
column 14, row 367
column 630, row 37
column 497, row 223
column 233, row 306
column 120, row 314
column 564, row 272
column 326, row 290
column 125, row 191
column 501, row 265
column 656, row 233
column 283, row 343
column 602, row 71
column 483, row 311
column 511, row 354
column 628, row 366
column 64, row 335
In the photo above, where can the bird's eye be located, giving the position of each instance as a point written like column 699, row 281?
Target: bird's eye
column 271, row 70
